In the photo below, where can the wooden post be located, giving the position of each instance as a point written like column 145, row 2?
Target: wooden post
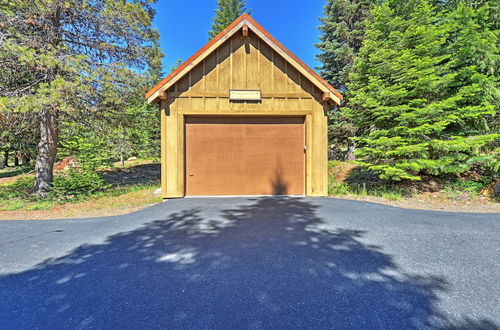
column 244, row 31
column 163, row 96
column 326, row 97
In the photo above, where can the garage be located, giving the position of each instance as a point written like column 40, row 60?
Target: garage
column 243, row 116
column 245, row 156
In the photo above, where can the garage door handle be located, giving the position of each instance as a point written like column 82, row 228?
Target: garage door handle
column 191, row 174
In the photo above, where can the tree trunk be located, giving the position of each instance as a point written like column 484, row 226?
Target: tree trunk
column 47, row 150
column 122, row 148
column 5, row 162
column 351, row 148
column 16, row 159
column 26, row 160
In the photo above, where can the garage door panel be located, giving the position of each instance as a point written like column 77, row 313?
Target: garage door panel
column 244, row 156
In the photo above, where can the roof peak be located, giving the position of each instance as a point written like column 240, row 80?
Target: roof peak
column 224, row 35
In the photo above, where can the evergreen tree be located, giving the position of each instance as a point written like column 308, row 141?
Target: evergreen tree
column 77, row 58
column 417, row 92
column 225, row 14
column 342, row 32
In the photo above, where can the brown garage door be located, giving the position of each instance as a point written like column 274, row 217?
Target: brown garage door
column 245, row 156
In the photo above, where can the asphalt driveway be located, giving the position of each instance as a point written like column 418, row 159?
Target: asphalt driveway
column 258, row 263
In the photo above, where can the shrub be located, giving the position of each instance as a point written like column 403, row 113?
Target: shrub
column 22, row 187
column 77, row 183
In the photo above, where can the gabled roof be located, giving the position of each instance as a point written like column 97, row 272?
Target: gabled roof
column 225, row 34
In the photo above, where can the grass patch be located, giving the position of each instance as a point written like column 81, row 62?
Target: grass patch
column 347, row 178
column 21, row 188
column 99, row 200
column 13, row 205
column 390, row 192
column 459, row 188
column 121, row 190
column 135, row 162
column 76, row 192
column 41, row 205
column 16, row 195
column 13, row 171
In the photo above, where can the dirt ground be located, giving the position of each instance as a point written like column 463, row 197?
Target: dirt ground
column 423, row 203
column 428, row 197
column 106, row 206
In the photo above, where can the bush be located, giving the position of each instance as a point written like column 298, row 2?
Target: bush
column 22, row 187
column 77, row 183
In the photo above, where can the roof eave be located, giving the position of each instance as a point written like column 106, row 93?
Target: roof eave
column 158, row 90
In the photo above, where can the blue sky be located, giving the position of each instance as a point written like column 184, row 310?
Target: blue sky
column 184, row 25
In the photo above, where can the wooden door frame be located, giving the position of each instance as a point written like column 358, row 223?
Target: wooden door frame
column 181, row 133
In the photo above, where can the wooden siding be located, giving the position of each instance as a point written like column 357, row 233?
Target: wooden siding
column 243, row 64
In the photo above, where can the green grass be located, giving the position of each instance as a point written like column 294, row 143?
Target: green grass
column 384, row 191
column 16, row 195
column 21, row 188
column 456, row 189
column 13, row 205
column 333, row 163
column 121, row 190
column 30, row 203
column 135, row 162
column 41, row 205
column 13, row 171
column 391, row 193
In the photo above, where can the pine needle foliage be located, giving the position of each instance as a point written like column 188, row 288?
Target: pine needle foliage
column 341, row 37
column 227, row 11
column 423, row 83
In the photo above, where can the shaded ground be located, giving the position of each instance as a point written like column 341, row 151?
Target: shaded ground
column 256, row 263
column 137, row 174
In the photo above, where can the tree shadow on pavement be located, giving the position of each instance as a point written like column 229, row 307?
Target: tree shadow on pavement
column 269, row 263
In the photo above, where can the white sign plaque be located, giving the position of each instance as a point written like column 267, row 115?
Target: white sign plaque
column 245, row 95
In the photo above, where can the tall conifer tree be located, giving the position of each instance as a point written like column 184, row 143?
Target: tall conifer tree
column 419, row 88
column 225, row 14
column 74, row 58
column 342, row 32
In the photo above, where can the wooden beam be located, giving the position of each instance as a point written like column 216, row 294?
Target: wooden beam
column 294, row 95
column 244, row 31
column 163, row 96
column 326, row 97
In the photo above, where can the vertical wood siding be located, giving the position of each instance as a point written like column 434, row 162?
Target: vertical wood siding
column 243, row 64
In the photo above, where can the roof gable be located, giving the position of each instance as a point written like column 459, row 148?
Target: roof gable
column 243, row 21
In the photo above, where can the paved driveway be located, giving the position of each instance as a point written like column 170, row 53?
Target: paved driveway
column 253, row 263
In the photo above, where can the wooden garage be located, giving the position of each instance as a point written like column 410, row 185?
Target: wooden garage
column 243, row 116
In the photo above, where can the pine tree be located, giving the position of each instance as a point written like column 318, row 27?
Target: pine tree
column 225, row 14
column 342, row 32
column 76, row 60
column 473, row 42
column 417, row 93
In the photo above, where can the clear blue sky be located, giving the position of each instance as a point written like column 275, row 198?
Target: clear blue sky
column 184, row 25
